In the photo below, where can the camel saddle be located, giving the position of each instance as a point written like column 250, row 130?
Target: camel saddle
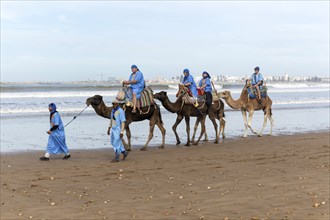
column 146, row 97
column 253, row 93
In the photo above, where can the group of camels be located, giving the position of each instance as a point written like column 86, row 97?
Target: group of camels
column 185, row 110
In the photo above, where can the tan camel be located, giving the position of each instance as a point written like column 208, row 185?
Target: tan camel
column 153, row 115
column 186, row 111
column 245, row 104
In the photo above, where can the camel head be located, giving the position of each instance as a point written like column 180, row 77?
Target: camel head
column 225, row 94
column 161, row 96
column 95, row 101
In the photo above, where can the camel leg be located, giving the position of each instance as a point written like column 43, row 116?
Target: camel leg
column 271, row 124
column 128, row 135
column 177, row 122
column 187, row 119
column 151, row 134
column 250, row 122
column 206, row 139
column 202, row 130
column 215, row 125
column 163, row 130
column 222, row 128
column 245, row 122
column 195, row 129
column 264, row 125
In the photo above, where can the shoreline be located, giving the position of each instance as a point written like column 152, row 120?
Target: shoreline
column 272, row 177
column 183, row 141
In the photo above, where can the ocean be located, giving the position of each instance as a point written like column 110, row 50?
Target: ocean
column 297, row 108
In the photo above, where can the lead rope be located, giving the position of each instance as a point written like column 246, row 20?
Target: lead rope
column 76, row 116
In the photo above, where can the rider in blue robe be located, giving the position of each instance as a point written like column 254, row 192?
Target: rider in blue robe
column 188, row 80
column 257, row 81
column 56, row 140
column 117, row 126
column 136, row 80
column 205, row 85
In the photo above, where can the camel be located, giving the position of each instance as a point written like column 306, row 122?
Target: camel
column 152, row 114
column 185, row 111
column 217, row 111
column 245, row 104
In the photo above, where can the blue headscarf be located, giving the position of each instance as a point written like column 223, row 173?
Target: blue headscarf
column 53, row 106
column 186, row 71
column 208, row 75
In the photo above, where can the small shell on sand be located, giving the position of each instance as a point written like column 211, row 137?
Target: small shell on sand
column 180, row 197
column 52, row 178
column 53, row 203
column 316, row 204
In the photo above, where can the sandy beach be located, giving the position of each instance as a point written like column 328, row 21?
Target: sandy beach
column 282, row 177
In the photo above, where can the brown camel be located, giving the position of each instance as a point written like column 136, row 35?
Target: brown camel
column 217, row 111
column 185, row 111
column 245, row 104
column 152, row 114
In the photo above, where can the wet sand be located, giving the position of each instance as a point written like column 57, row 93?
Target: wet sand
column 282, row 177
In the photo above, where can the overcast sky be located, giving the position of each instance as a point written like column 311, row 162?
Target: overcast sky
column 69, row 41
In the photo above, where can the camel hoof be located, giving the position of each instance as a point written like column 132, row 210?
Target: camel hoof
column 161, row 147
column 216, row 142
column 128, row 149
column 206, row 140
column 143, row 149
column 259, row 135
column 178, row 142
column 196, row 143
column 187, row 145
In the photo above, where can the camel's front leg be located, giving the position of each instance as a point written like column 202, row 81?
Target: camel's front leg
column 177, row 122
column 250, row 122
column 245, row 122
column 195, row 129
column 187, row 119
column 163, row 131
column 151, row 134
column 264, row 125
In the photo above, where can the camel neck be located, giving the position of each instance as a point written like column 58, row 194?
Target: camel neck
column 235, row 104
column 170, row 106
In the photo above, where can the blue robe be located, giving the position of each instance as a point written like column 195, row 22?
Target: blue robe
column 255, row 78
column 207, row 82
column 56, row 140
column 115, row 139
column 192, row 87
column 138, row 87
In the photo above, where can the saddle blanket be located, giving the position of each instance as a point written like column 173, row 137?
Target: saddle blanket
column 253, row 93
column 146, row 98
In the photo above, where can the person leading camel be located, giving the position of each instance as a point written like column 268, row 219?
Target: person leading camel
column 205, row 85
column 257, row 81
column 136, row 80
column 117, row 127
column 188, row 80
column 56, row 140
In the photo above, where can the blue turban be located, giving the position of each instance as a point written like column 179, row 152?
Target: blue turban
column 208, row 75
column 186, row 71
column 53, row 107
column 133, row 66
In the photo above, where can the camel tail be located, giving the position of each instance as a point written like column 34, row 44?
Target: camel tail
column 223, row 114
